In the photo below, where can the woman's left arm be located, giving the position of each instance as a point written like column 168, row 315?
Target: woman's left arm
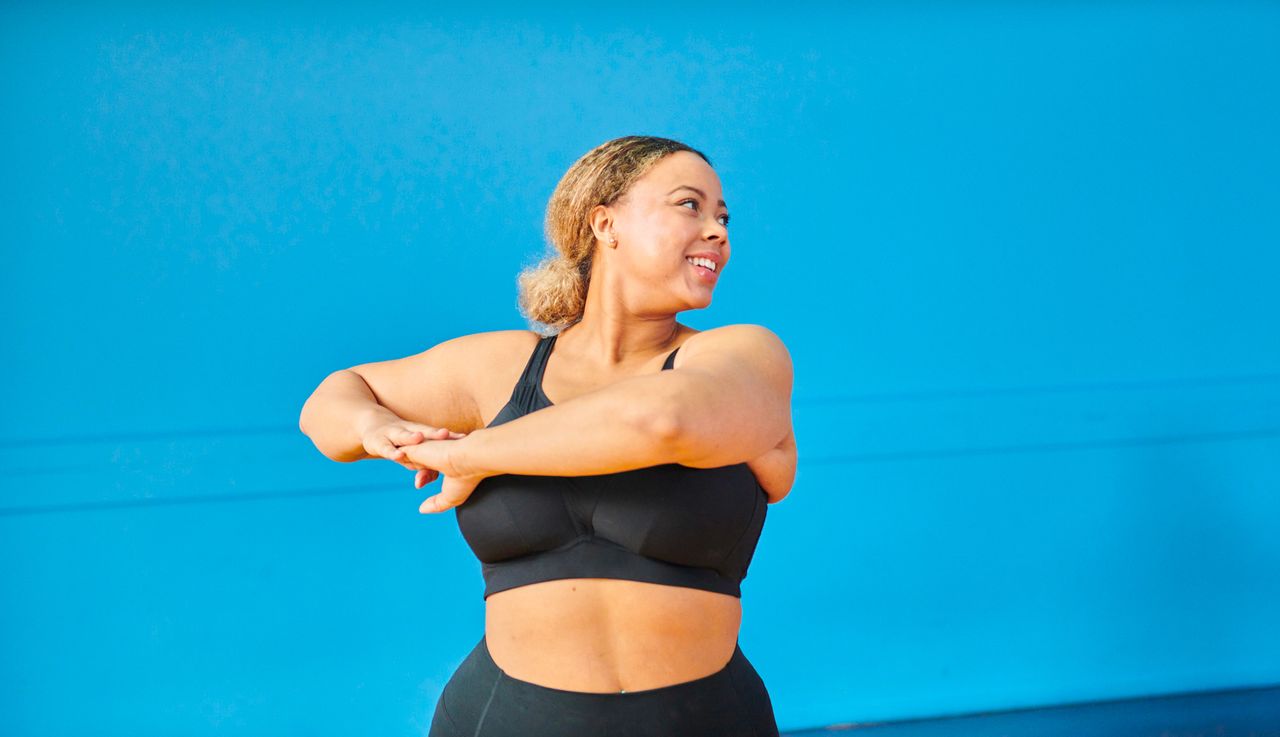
column 776, row 469
column 733, row 396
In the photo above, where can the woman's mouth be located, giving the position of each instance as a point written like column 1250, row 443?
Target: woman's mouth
column 704, row 273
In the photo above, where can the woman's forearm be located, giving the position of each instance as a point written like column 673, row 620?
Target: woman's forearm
column 337, row 414
column 626, row 425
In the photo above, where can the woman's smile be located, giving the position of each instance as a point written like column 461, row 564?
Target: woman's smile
column 705, row 275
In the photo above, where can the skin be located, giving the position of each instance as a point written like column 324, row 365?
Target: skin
column 634, row 635
column 608, row 635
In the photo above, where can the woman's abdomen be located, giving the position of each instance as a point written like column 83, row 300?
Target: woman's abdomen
column 610, row 635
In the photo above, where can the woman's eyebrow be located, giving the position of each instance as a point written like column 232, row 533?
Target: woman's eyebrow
column 701, row 194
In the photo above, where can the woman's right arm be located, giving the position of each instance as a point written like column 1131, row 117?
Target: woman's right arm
column 338, row 415
column 423, row 392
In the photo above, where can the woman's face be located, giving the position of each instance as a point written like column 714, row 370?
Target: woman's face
column 673, row 213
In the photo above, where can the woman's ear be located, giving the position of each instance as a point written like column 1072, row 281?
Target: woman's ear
column 601, row 220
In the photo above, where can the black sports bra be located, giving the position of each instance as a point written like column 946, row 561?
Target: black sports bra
column 669, row 524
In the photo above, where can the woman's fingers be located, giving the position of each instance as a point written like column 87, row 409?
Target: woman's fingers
column 389, row 441
column 420, row 458
column 439, row 503
column 428, row 431
column 398, row 436
column 385, row 448
column 407, row 437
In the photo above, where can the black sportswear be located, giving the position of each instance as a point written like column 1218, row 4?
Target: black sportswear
column 669, row 524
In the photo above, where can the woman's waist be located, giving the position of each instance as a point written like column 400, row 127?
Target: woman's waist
column 606, row 635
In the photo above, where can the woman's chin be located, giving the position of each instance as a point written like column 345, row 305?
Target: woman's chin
column 700, row 301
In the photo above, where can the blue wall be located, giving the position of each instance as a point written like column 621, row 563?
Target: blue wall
column 1025, row 259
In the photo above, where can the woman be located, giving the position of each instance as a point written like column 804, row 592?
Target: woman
column 615, row 495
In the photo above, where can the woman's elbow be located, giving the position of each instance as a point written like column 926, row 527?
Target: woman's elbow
column 662, row 421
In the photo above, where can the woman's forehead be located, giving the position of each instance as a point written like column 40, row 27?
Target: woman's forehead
column 681, row 169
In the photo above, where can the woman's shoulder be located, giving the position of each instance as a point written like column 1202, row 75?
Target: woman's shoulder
column 473, row 356
column 737, row 334
column 743, row 339
column 492, row 346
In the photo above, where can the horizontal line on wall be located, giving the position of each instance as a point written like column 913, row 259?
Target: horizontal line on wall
column 1044, row 389
column 204, row 499
column 928, row 453
column 148, row 436
column 805, row 461
column 831, row 400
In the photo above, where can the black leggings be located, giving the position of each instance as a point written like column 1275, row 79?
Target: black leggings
column 480, row 700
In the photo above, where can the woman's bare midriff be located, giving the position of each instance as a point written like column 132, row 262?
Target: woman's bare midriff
column 600, row 635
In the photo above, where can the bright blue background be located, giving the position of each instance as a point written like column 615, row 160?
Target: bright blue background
column 1025, row 259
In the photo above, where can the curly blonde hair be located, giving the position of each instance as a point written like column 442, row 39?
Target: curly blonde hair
column 553, row 293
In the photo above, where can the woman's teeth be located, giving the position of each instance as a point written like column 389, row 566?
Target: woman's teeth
column 704, row 262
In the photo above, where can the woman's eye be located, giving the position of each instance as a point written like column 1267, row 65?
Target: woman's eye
column 724, row 219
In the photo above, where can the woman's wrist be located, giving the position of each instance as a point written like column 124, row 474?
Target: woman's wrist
column 465, row 456
column 371, row 417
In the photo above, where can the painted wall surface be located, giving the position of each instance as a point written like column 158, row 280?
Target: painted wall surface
column 1024, row 257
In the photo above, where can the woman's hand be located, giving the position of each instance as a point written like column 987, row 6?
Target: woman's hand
column 387, row 441
column 442, row 456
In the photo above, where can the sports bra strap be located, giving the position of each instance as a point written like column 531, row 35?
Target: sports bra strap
column 538, row 361
column 530, row 378
column 671, row 360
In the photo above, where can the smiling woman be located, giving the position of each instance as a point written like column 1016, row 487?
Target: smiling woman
column 612, row 471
